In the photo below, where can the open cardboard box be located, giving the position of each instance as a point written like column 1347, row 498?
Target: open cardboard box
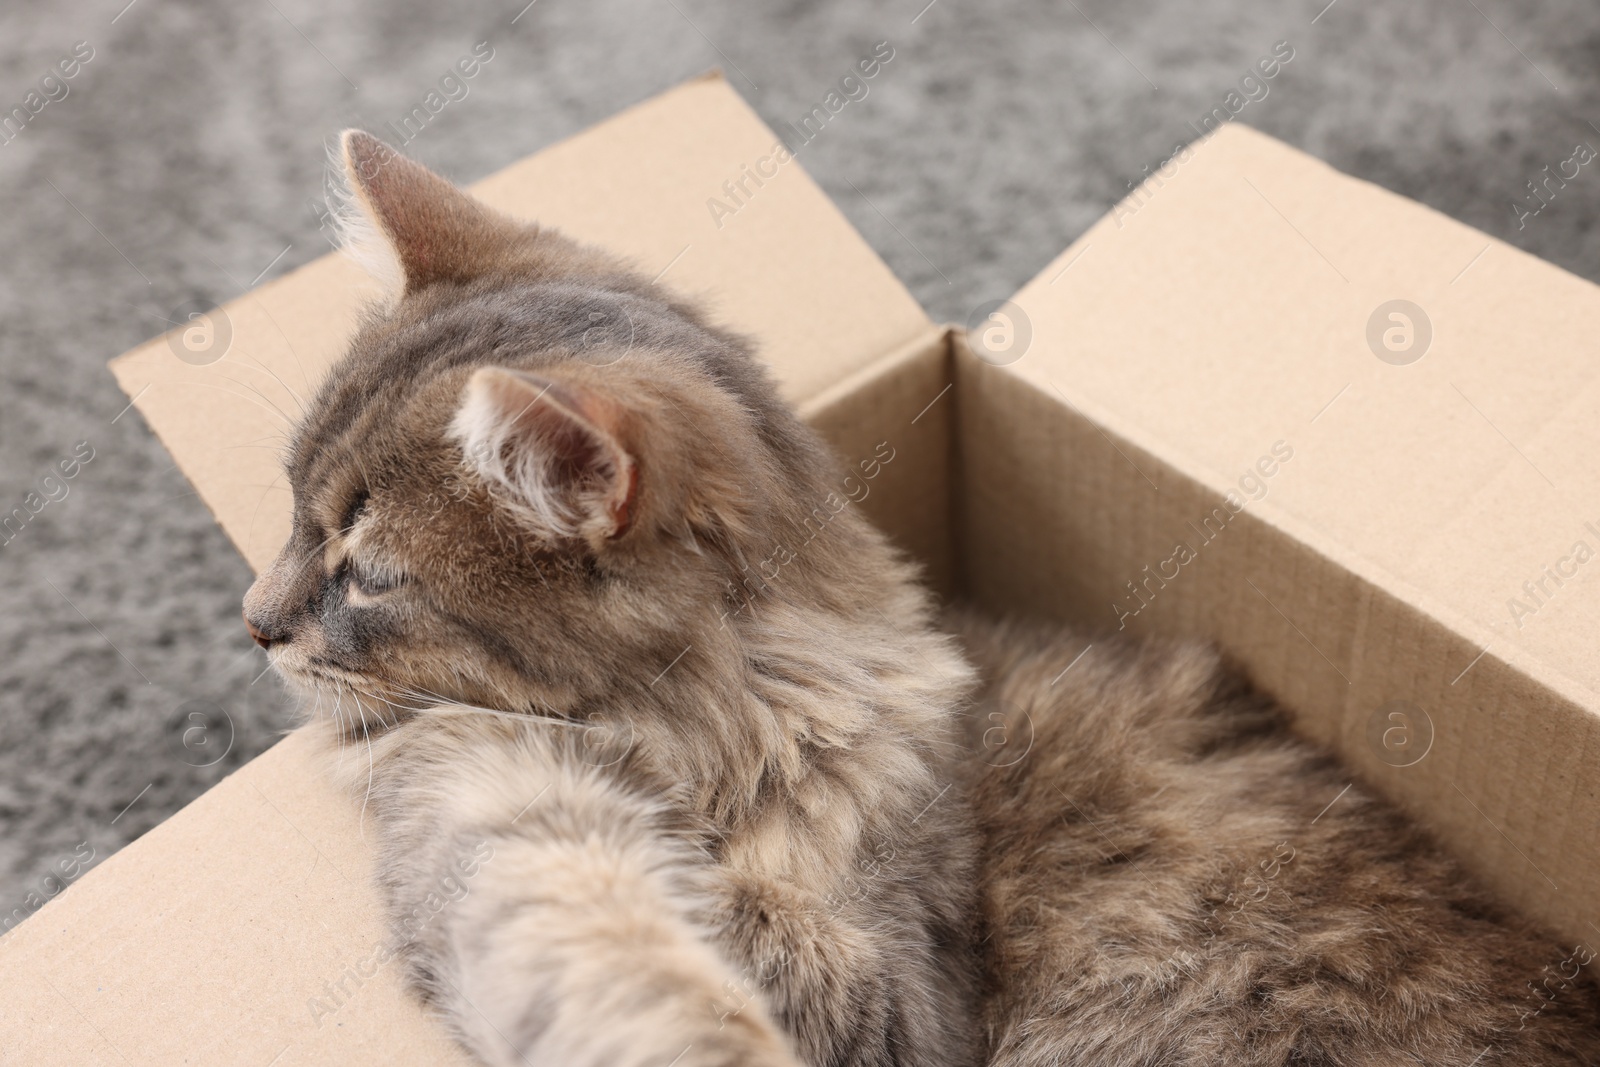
column 1192, row 422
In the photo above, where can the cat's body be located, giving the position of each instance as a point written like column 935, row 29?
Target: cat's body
column 667, row 760
column 1169, row 877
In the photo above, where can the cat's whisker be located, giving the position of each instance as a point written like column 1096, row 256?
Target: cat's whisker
column 275, row 435
column 275, row 448
column 278, row 440
column 517, row 716
column 288, row 422
column 338, row 718
column 298, row 399
column 288, row 419
column 287, row 343
column 436, row 702
column 361, row 819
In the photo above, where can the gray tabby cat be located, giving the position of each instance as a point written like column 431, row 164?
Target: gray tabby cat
column 670, row 763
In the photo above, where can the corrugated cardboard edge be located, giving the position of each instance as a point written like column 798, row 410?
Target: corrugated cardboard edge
column 905, row 401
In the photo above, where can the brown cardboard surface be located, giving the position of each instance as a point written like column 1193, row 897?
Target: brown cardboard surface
column 243, row 930
column 906, row 401
column 786, row 270
column 1225, row 311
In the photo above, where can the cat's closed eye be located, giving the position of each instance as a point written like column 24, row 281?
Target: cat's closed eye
column 370, row 581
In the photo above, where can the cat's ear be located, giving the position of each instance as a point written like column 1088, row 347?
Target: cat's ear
column 406, row 225
column 553, row 450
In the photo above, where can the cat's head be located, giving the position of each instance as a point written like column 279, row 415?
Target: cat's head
column 534, row 477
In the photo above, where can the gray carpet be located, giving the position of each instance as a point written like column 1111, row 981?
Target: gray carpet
column 181, row 162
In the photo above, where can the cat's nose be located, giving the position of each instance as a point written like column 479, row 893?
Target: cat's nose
column 257, row 633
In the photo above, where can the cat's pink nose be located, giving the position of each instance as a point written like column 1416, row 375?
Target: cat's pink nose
column 256, row 632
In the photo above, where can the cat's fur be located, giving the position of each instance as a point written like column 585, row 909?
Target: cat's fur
column 542, row 486
column 1170, row 878
column 654, row 784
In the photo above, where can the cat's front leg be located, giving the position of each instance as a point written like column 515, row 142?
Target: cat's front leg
column 573, row 940
column 577, row 950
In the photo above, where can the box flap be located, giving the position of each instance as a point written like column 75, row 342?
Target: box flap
column 785, row 269
column 1436, row 388
column 243, row 930
column 1234, row 308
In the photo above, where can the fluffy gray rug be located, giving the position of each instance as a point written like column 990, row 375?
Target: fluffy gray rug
column 180, row 163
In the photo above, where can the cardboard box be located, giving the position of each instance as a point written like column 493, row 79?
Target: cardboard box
column 1200, row 419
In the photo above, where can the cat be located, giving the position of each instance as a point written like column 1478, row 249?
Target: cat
column 632, row 805
column 640, row 799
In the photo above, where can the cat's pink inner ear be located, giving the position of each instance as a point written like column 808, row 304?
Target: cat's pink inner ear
column 556, row 445
column 434, row 230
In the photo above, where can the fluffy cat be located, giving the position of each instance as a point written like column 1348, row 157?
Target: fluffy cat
column 530, row 510
column 644, row 798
